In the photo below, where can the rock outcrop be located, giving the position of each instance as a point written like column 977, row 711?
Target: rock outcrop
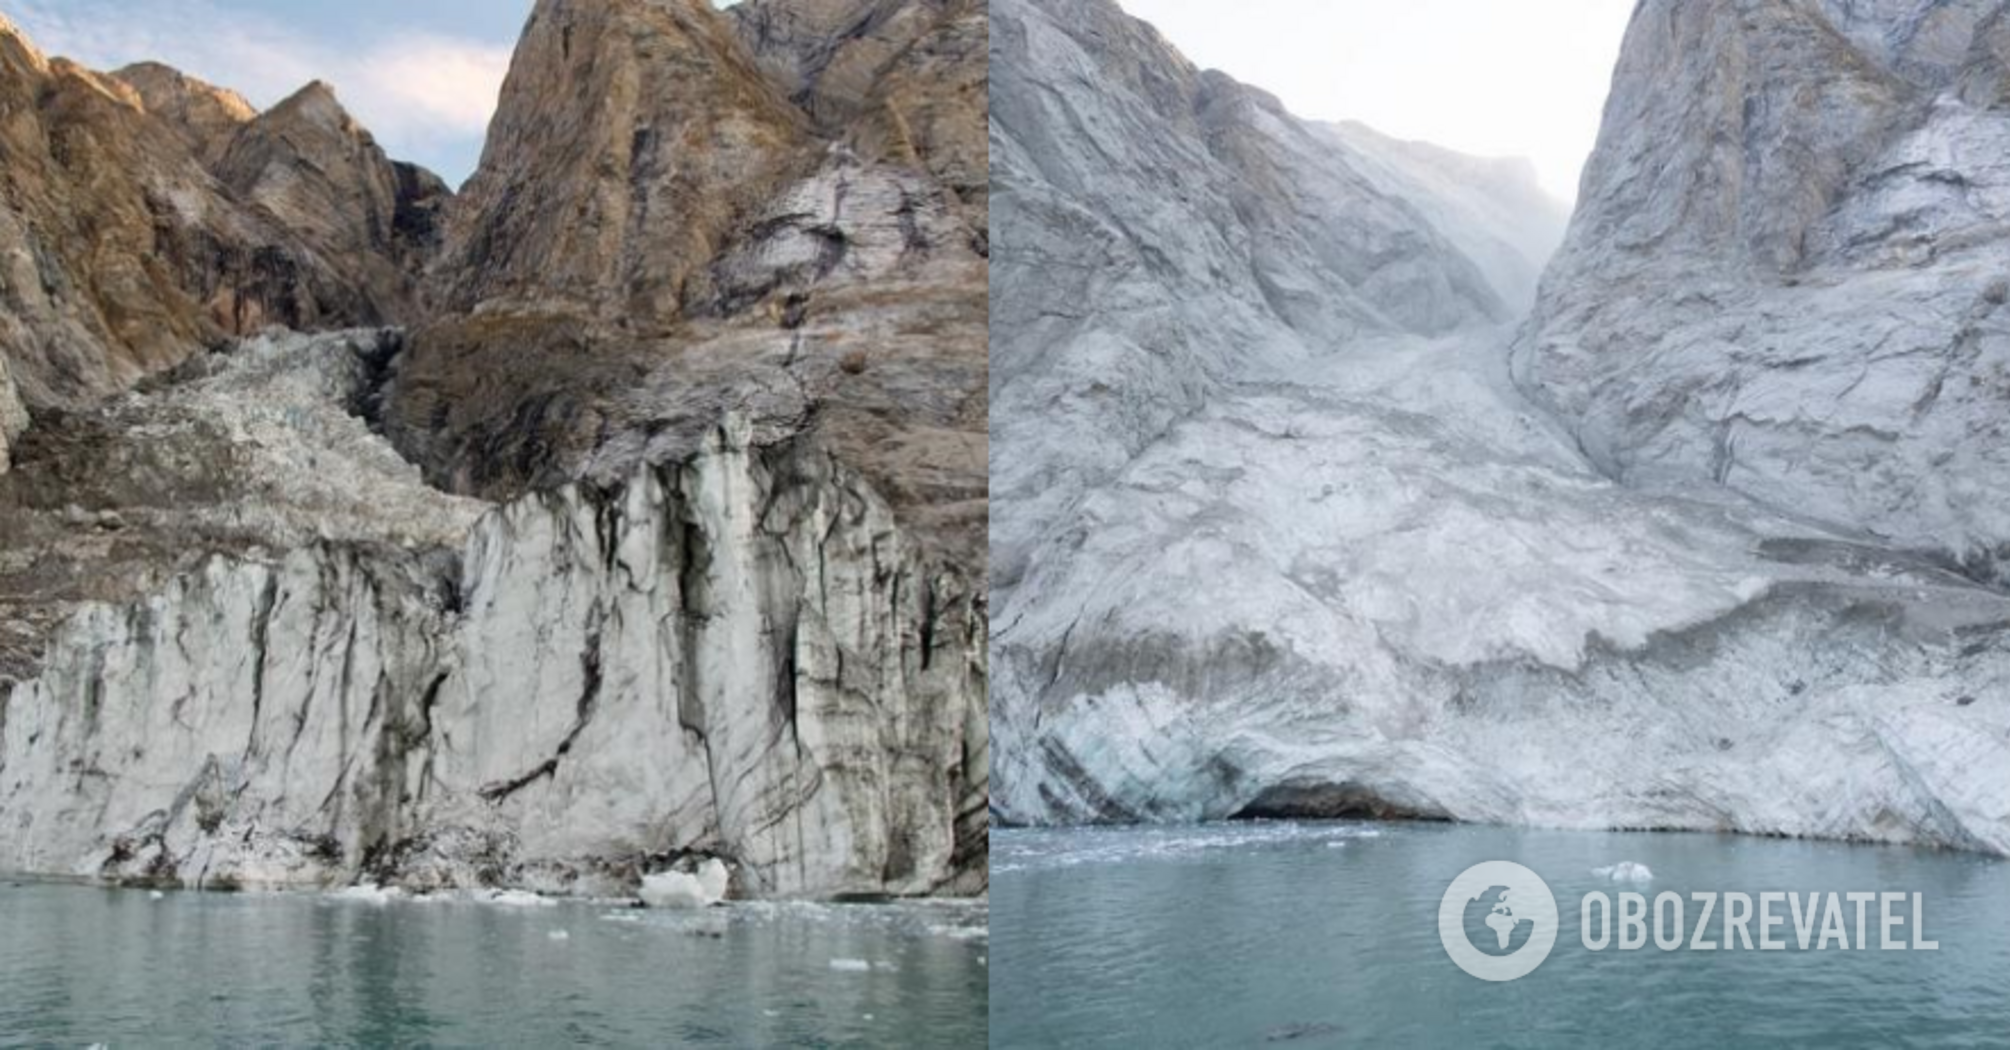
column 13, row 416
column 124, row 253
column 898, row 81
column 309, row 165
column 658, row 234
column 206, row 116
column 1279, row 536
column 1787, row 274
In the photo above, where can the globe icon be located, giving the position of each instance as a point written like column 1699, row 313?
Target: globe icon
column 1497, row 920
column 1492, row 924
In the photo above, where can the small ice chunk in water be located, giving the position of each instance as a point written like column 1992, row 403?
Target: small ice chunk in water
column 675, row 889
column 368, row 893
column 851, row 965
column 1624, row 871
column 559, row 935
column 519, row 899
column 157, row 896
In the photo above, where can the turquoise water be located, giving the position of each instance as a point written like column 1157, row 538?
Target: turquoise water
column 1316, row 935
column 82, row 966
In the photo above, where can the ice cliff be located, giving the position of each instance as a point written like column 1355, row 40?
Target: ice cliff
column 1278, row 534
column 737, row 655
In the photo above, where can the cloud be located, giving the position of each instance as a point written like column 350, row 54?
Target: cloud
column 1527, row 78
column 425, row 96
column 434, row 81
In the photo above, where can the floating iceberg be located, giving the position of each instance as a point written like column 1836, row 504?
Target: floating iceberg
column 516, row 899
column 368, row 893
column 1625, row 871
column 676, row 889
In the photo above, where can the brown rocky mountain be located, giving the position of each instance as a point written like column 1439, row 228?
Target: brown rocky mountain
column 207, row 117
column 130, row 247
column 307, row 163
column 660, row 235
column 902, row 82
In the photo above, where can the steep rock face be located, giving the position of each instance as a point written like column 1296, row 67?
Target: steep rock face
column 310, row 166
column 1492, row 209
column 737, row 655
column 657, row 234
column 206, row 116
column 13, row 417
column 1285, row 568
column 718, row 376
column 123, row 254
column 1169, row 231
column 900, row 81
column 1786, row 274
column 630, row 138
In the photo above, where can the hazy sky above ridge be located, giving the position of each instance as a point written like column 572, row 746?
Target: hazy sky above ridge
column 420, row 74
column 1491, row 77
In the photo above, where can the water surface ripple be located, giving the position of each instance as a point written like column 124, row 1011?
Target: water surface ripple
column 1313, row 935
column 82, row 966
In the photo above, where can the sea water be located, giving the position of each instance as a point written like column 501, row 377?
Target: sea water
column 83, row 966
column 1326, row 934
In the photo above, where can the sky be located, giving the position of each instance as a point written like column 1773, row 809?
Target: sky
column 1521, row 78
column 422, row 75
column 1497, row 78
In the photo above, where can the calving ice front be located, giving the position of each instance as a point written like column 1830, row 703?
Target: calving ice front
column 1742, row 924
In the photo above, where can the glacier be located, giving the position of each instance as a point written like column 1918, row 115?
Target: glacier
column 331, row 673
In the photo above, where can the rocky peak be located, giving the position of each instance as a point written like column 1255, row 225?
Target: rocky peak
column 315, row 105
column 309, row 164
column 658, row 234
column 19, row 53
column 130, row 253
column 1786, row 270
column 206, row 116
column 629, row 137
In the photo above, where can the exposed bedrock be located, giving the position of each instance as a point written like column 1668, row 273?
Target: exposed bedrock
column 1789, row 268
